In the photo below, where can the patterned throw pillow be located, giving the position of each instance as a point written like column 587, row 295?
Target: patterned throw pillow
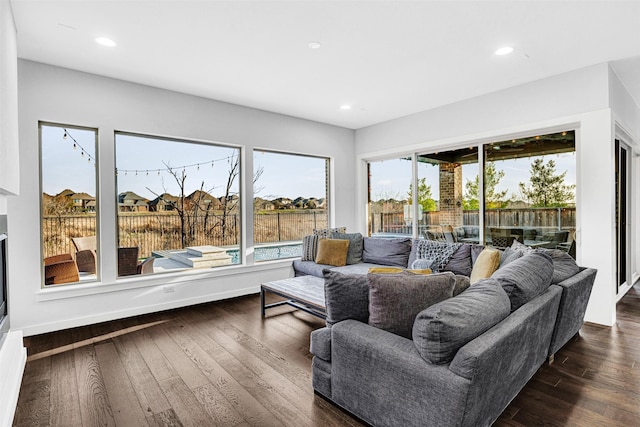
column 309, row 248
column 440, row 252
column 325, row 233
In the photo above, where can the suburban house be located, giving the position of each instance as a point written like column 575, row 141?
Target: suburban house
column 131, row 202
column 596, row 98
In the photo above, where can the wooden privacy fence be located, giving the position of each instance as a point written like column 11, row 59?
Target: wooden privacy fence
column 152, row 232
column 543, row 218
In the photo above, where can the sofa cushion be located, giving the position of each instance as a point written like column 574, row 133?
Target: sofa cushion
column 387, row 251
column 525, row 278
column 460, row 262
column 325, row 233
column 309, row 248
column 396, row 299
column 564, row 266
column 310, row 268
column 488, row 261
column 346, row 296
column 332, row 252
column 476, row 250
column 440, row 330
column 360, row 268
column 354, row 254
column 509, row 255
column 440, row 252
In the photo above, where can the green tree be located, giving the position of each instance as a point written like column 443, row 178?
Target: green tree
column 493, row 199
column 424, row 196
column 546, row 188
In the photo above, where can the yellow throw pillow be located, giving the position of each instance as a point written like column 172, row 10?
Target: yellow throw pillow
column 385, row 270
column 488, row 261
column 332, row 252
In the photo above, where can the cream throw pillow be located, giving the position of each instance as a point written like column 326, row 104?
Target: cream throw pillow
column 488, row 261
column 332, row 252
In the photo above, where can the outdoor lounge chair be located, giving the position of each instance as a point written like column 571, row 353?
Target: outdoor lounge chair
column 128, row 261
column 85, row 253
column 60, row 269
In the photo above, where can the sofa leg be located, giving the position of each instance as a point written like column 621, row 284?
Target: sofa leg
column 551, row 359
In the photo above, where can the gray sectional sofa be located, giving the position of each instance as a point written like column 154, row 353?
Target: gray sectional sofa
column 468, row 355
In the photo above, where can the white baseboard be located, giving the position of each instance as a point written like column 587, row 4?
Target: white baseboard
column 13, row 357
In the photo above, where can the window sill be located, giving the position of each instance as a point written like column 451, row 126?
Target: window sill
column 163, row 279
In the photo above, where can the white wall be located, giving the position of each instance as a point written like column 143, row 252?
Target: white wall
column 577, row 100
column 13, row 355
column 63, row 96
column 8, row 102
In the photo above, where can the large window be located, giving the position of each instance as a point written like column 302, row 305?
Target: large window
column 178, row 204
column 69, row 224
column 527, row 193
column 530, row 192
column 290, row 201
column 390, row 211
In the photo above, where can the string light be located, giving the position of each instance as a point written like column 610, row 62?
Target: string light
column 77, row 145
column 184, row 168
column 177, row 168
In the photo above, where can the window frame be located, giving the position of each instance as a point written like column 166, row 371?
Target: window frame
column 241, row 236
column 98, row 258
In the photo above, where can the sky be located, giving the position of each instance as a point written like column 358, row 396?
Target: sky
column 143, row 167
column 391, row 178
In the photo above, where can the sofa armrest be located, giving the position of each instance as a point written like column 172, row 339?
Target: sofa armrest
column 576, row 291
column 381, row 378
column 502, row 360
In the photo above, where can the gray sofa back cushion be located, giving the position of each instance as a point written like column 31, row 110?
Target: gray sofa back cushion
column 346, row 297
column 525, row 278
column 564, row 266
column 440, row 330
column 387, row 251
column 396, row 299
column 356, row 243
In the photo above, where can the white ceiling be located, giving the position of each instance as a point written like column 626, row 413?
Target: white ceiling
column 385, row 58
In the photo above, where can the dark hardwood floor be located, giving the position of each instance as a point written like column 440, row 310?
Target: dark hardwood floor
column 221, row 364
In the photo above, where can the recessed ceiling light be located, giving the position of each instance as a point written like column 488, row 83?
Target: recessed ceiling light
column 314, row 45
column 504, row 50
column 104, row 41
column 345, row 107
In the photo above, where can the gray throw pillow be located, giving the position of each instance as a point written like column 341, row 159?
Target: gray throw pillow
column 460, row 262
column 440, row 330
column 393, row 252
column 476, row 250
column 346, row 296
column 356, row 245
column 509, row 255
column 396, row 299
column 525, row 278
column 564, row 266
